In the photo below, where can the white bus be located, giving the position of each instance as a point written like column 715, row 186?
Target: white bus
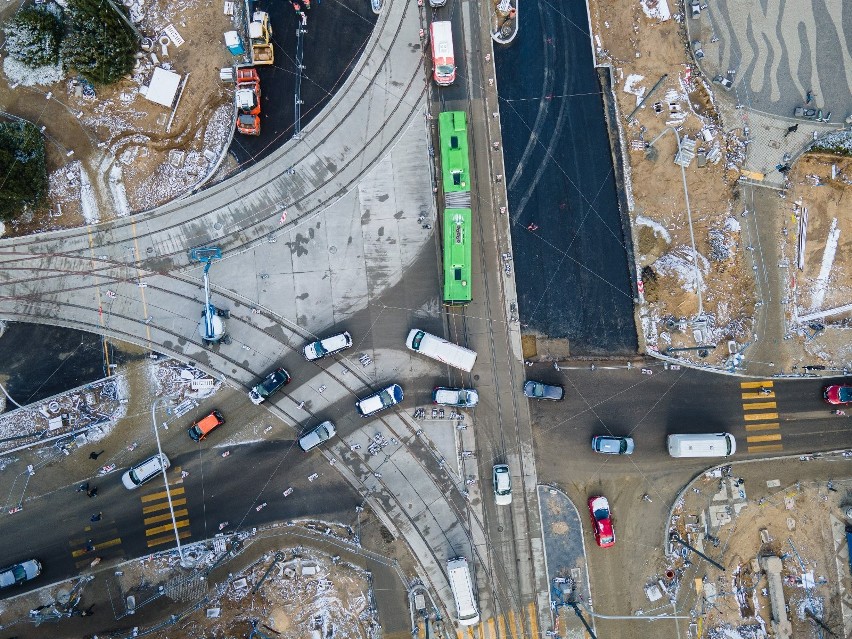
column 459, row 574
column 443, row 58
column 440, row 349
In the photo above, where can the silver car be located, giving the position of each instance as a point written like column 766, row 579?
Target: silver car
column 317, row 436
column 610, row 445
column 540, row 390
column 502, row 485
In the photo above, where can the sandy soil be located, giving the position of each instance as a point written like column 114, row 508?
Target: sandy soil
column 823, row 281
column 804, row 525
column 305, row 595
column 643, row 44
column 112, row 151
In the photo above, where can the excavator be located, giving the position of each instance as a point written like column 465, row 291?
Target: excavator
column 248, row 101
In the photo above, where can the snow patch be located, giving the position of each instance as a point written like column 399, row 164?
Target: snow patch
column 88, row 200
column 631, row 85
column 828, row 254
column 119, row 195
column 679, row 263
column 20, row 73
column 732, row 224
column 658, row 228
column 656, row 9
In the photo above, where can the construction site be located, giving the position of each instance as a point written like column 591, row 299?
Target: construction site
column 756, row 557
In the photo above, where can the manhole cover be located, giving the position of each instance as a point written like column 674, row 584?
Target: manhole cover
column 218, row 226
column 499, row 528
column 332, row 249
column 476, row 378
column 150, row 249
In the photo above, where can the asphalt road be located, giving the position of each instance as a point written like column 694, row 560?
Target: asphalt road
column 648, row 407
column 572, row 273
column 42, row 360
column 335, row 37
column 218, row 489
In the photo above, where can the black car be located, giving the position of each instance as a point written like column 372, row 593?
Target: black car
column 270, row 385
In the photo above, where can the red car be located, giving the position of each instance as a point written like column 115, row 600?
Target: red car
column 601, row 521
column 837, row 394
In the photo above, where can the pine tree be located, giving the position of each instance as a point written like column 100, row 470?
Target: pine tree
column 33, row 37
column 23, row 175
column 100, row 45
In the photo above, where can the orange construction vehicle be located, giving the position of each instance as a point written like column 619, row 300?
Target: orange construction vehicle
column 248, row 101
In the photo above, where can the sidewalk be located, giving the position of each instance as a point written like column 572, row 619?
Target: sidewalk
column 565, row 557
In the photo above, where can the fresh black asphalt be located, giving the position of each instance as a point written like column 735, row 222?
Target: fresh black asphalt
column 41, row 361
column 570, row 252
column 336, row 35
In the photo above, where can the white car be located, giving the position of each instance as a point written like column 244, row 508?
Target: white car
column 328, row 346
column 317, row 436
column 461, row 397
column 502, row 485
column 144, row 471
column 19, row 573
column 376, row 402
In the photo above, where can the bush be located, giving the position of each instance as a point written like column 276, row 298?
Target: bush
column 33, row 37
column 100, row 45
column 23, row 176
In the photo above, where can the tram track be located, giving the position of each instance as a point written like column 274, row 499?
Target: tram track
column 167, row 210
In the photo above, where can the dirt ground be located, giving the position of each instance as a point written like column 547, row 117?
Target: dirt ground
column 111, row 151
column 819, row 183
column 643, row 43
column 803, row 524
column 306, row 594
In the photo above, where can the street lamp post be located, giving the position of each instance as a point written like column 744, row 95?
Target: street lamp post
column 165, row 479
column 699, row 318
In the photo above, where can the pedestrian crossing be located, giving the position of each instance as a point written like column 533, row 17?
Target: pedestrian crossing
column 760, row 413
column 508, row 626
column 95, row 541
column 157, row 516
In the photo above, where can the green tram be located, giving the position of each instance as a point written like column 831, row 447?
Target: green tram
column 455, row 171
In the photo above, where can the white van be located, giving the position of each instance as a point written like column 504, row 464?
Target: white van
column 147, row 470
column 327, row 346
column 376, row 402
column 462, row 587
column 702, row 445
column 440, row 349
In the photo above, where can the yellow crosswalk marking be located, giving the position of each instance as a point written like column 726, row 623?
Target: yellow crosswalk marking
column 162, row 506
column 161, row 495
column 183, row 534
column 421, row 630
column 183, row 512
column 501, row 627
column 758, row 395
column 481, row 628
column 773, row 437
column 766, row 426
column 760, row 417
column 766, row 448
column 459, row 634
column 766, row 384
column 512, row 627
column 470, row 634
column 759, row 405
column 491, row 631
column 183, row 523
column 531, row 613
column 101, row 546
